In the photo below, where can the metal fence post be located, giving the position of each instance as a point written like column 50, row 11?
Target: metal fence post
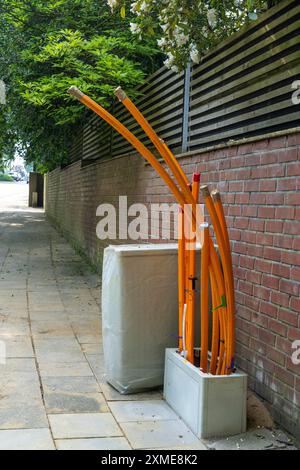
column 186, row 108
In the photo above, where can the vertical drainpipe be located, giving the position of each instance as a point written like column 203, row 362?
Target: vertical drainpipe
column 186, row 108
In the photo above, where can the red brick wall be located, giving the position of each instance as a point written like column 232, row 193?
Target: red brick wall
column 260, row 185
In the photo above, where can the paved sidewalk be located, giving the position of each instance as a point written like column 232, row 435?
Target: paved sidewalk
column 52, row 389
column 53, row 393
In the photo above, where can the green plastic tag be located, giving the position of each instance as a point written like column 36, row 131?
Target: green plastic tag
column 223, row 303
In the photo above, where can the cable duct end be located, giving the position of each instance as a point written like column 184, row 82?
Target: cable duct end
column 74, row 91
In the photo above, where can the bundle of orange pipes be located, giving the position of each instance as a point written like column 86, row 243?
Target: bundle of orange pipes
column 217, row 352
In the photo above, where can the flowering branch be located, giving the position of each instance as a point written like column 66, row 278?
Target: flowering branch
column 187, row 29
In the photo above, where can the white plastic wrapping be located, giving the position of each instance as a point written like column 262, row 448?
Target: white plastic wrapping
column 139, row 313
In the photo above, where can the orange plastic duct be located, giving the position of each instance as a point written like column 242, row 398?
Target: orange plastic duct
column 191, row 267
column 186, row 261
column 162, row 148
column 216, row 325
column 204, row 298
column 221, row 216
column 226, row 265
column 221, row 304
column 181, row 274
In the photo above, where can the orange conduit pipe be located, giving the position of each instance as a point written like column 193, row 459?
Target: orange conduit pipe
column 215, row 323
column 181, row 275
column 91, row 104
column 187, row 236
column 191, row 280
column 227, row 277
column 182, row 196
column 162, row 148
column 204, row 298
column 191, row 198
column 216, row 197
column 222, row 310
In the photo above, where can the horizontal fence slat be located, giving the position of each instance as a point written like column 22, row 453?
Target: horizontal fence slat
column 244, row 107
column 172, row 91
column 159, row 125
column 245, row 47
column 282, row 105
column 258, row 64
column 198, row 108
column 256, row 76
column 292, row 118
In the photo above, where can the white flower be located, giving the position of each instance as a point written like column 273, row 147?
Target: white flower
column 112, row 4
column 204, row 32
column 134, row 28
column 144, row 6
column 179, row 36
column 212, row 18
column 169, row 60
column 164, row 27
column 174, row 68
column 133, row 7
column 167, row 63
column 194, row 54
column 161, row 42
column 182, row 39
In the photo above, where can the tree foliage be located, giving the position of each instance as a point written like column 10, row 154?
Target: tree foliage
column 47, row 46
column 187, row 29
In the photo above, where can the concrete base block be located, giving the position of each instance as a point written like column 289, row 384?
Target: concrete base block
column 211, row 405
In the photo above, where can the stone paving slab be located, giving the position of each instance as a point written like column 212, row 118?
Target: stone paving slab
column 26, row 439
column 18, row 346
column 92, row 348
column 44, row 329
column 68, row 426
column 17, row 366
column 96, row 362
column 70, row 385
column 113, row 395
column 105, row 443
column 49, row 316
column 59, row 357
column 150, row 410
column 19, row 416
column 56, row 344
column 158, row 434
column 90, row 339
column 15, row 327
column 71, row 369
column 70, row 402
column 15, row 313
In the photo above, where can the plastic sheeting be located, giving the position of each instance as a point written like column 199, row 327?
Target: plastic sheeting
column 139, row 313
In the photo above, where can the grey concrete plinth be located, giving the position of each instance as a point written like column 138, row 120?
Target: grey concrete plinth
column 211, row 405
